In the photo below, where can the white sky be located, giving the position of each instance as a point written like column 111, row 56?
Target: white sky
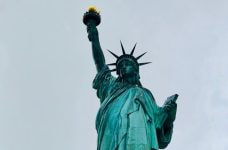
column 46, row 69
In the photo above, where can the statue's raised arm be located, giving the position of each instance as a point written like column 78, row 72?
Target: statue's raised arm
column 92, row 19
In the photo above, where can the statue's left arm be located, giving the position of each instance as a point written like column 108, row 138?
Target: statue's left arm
column 164, row 133
column 160, row 119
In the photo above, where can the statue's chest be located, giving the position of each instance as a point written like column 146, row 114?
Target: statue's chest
column 119, row 107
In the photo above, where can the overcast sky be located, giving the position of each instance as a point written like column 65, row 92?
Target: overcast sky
column 46, row 68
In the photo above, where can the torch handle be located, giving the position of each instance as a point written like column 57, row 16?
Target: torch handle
column 92, row 31
column 90, row 24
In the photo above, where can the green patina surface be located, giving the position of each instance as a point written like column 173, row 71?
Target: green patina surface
column 128, row 118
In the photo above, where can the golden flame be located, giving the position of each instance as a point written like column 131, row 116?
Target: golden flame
column 93, row 9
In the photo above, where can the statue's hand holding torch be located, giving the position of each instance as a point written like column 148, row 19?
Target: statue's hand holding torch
column 92, row 19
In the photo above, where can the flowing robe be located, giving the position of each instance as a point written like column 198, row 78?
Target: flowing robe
column 128, row 118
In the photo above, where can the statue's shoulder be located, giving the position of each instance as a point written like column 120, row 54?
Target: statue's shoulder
column 147, row 91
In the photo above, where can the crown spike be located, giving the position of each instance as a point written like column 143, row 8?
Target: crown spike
column 132, row 52
column 122, row 48
column 113, row 54
column 112, row 64
column 113, row 70
column 145, row 63
column 140, row 56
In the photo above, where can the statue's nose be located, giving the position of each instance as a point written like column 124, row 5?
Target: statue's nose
column 124, row 66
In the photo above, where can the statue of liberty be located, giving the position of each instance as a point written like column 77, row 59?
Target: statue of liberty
column 128, row 118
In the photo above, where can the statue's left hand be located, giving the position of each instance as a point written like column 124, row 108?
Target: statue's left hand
column 171, row 109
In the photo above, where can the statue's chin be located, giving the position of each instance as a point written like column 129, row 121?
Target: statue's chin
column 128, row 75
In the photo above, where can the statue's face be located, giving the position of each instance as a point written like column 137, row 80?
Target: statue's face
column 127, row 68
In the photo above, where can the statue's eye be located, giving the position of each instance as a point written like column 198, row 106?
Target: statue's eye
column 128, row 63
column 121, row 65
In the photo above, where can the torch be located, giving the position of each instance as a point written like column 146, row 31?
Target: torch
column 92, row 17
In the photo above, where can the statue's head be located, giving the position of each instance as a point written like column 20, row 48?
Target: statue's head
column 127, row 65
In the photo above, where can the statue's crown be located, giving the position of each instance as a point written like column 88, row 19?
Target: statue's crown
column 126, row 56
